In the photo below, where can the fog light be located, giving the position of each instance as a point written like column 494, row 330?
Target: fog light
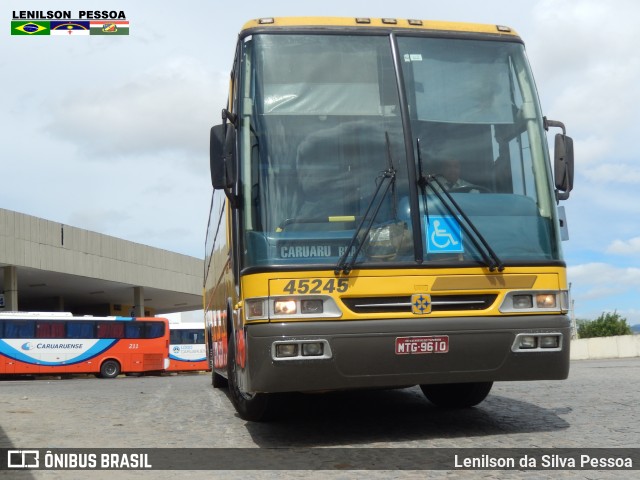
column 284, row 307
column 550, row 342
column 528, row 341
column 311, row 306
column 545, row 300
column 522, row 301
column 287, row 350
column 312, row 349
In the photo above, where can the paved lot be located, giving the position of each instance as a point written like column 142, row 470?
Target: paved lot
column 598, row 406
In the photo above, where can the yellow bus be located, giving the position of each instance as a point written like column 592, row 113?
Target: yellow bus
column 384, row 214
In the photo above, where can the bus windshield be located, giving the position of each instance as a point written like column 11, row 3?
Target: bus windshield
column 320, row 122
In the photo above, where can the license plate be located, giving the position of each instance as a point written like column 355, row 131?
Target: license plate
column 416, row 345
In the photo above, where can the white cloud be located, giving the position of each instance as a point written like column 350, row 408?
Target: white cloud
column 589, row 150
column 585, row 33
column 625, row 247
column 599, row 287
column 586, row 56
column 632, row 315
column 613, row 173
column 166, row 108
column 98, row 219
column 600, row 280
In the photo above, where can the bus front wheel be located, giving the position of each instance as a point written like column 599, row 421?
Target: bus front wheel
column 110, row 369
column 457, row 395
column 253, row 407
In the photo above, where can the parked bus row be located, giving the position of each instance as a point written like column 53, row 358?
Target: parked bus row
column 59, row 343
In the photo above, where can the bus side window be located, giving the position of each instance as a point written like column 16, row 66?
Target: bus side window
column 57, row 329
column 80, row 330
column 46, row 329
column 43, row 330
column 20, row 329
column 133, row 330
column 110, row 330
column 154, row 330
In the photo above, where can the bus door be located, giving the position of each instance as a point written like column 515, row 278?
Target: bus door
column 135, row 360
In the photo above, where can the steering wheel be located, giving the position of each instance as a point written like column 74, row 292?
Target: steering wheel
column 469, row 188
column 316, row 220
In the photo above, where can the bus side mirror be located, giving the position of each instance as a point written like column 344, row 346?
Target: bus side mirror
column 222, row 148
column 216, row 160
column 563, row 166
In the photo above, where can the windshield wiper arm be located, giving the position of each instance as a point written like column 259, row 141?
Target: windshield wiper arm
column 388, row 176
column 488, row 254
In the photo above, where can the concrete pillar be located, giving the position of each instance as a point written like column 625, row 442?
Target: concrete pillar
column 59, row 304
column 10, row 288
column 138, row 301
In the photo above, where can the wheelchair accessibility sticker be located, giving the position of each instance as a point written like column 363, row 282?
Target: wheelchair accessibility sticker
column 444, row 234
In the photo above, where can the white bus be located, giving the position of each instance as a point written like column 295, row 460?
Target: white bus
column 187, row 347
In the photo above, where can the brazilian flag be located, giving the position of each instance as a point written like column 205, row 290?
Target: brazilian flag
column 30, row 28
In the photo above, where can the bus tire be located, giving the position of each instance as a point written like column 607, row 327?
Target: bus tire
column 457, row 395
column 109, row 369
column 253, row 407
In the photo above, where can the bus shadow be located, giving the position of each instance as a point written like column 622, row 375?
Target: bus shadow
column 403, row 415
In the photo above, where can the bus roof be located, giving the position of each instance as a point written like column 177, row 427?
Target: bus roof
column 366, row 22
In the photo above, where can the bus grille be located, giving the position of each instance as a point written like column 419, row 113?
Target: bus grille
column 439, row 303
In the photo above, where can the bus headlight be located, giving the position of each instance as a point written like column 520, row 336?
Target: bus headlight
column 285, row 307
column 522, row 301
column 546, row 300
column 311, row 306
column 301, row 306
column 288, row 307
column 535, row 301
column 255, row 308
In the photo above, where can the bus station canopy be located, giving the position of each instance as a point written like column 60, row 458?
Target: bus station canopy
column 48, row 266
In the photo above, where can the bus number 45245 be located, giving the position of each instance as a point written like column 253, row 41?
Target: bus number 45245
column 316, row 286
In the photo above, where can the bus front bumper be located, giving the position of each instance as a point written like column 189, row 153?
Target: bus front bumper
column 364, row 354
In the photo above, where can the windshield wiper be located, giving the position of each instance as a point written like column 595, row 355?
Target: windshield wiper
column 489, row 256
column 387, row 176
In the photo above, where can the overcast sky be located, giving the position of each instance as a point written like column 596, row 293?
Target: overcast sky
column 111, row 133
